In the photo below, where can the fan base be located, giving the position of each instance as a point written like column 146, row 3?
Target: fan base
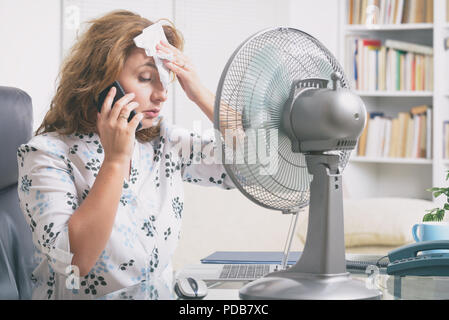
column 301, row 286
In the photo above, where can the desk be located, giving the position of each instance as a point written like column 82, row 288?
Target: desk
column 392, row 287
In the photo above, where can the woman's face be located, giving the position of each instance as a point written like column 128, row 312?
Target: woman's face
column 140, row 76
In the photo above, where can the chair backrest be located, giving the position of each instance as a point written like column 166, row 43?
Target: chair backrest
column 16, row 247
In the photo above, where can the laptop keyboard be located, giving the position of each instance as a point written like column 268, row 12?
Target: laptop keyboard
column 244, row 271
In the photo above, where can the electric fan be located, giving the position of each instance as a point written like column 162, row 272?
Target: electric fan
column 287, row 122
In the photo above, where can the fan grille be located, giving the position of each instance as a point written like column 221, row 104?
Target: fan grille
column 253, row 90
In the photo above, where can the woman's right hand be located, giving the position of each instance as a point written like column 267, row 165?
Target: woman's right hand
column 116, row 134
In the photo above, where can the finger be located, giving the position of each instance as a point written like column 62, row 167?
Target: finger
column 179, row 58
column 178, row 70
column 180, row 63
column 120, row 104
column 166, row 54
column 178, row 55
column 168, row 45
column 126, row 111
column 161, row 48
column 107, row 104
column 135, row 121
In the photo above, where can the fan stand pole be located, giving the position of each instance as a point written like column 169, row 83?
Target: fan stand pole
column 320, row 273
column 324, row 250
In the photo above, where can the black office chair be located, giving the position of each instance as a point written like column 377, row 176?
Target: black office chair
column 16, row 246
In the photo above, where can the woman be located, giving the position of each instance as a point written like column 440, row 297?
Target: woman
column 102, row 200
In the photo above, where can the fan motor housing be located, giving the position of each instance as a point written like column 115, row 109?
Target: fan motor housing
column 318, row 120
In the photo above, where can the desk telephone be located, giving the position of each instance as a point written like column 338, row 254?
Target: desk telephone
column 405, row 261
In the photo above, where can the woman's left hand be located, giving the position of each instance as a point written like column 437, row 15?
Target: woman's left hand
column 182, row 67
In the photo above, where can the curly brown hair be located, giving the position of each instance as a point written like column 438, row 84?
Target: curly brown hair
column 94, row 62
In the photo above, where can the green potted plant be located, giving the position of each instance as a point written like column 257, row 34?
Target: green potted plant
column 437, row 214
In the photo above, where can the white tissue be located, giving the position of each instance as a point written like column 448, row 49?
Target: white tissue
column 148, row 40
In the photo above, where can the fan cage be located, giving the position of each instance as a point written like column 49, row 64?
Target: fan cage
column 253, row 89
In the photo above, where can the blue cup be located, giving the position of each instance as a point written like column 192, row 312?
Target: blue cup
column 428, row 231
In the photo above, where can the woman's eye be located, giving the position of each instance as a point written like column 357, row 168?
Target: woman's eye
column 143, row 79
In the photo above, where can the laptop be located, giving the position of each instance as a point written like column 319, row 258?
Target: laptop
column 249, row 266
column 227, row 272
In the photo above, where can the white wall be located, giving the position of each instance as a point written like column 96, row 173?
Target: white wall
column 30, row 33
column 212, row 31
column 319, row 18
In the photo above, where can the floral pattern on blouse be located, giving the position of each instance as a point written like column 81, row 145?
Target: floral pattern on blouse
column 56, row 173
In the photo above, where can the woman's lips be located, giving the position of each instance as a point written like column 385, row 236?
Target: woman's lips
column 151, row 113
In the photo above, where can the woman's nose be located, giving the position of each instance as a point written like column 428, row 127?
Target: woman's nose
column 159, row 94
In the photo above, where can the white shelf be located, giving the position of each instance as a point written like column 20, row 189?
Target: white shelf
column 389, row 27
column 395, row 93
column 391, row 160
column 378, row 176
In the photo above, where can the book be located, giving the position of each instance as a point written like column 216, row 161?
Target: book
column 400, row 5
column 429, row 73
column 422, row 136
column 356, row 12
column 350, row 11
column 371, row 139
column 405, row 136
column 361, row 149
column 419, row 73
column 406, row 11
column 387, row 137
column 429, row 134
column 394, row 11
column 390, row 11
column 380, row 134
column 420, row 139
column 368, row 63
column 402, row 138
column 412, row 15
column 394, row 141
column 420, row 11
column 374, row 129
column 382, row 10
column 415, row 142
column 362, row 13
column 409, row 138
column 429, row 11
column 408, row 46
column 413, row 73
column 447, row 10
column 373, row 66
column 446, row 139
column 382, row 68
column 419, row 109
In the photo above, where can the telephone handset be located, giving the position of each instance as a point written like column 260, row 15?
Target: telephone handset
column 119, row 94
column 405, row 260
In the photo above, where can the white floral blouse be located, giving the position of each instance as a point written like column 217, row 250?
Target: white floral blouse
column 55, row 175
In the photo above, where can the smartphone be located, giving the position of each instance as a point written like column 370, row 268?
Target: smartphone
column 118, row 95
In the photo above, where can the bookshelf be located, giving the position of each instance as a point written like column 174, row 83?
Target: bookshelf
column 391, row 160
column 395, row 93
column 388, row 27
column 384, row 176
